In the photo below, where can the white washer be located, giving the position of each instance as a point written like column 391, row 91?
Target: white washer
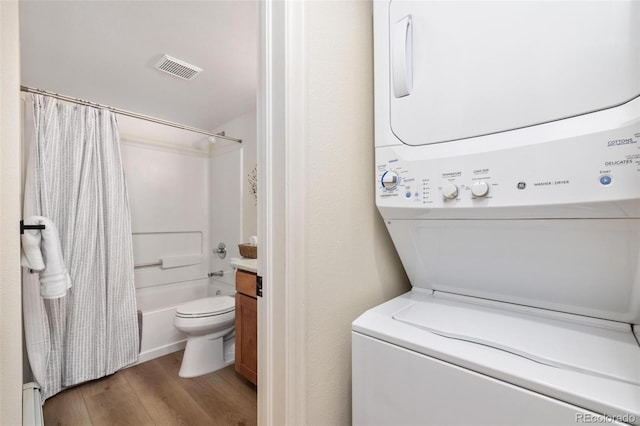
column 442, row 359
column 508, row 175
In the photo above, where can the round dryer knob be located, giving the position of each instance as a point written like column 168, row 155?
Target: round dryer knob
column 480, row 188
column 390, row 180
column 449, row 191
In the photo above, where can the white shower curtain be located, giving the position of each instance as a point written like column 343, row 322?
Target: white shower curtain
column 74, row 177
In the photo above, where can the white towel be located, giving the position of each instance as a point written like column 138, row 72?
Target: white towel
column 43, row 253
column 31, row 252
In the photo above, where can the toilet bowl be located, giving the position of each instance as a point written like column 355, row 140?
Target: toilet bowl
column 208, row 324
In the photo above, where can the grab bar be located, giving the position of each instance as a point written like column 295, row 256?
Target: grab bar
column 146, row 265
column 173, row 262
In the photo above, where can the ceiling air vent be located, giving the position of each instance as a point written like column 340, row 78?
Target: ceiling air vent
column 177, row 68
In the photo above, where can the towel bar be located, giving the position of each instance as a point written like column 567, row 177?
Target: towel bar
column 23, row 227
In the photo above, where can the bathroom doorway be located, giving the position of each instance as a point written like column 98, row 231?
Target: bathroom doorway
column 175, row 196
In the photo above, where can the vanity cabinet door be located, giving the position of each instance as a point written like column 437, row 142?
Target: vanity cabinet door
column 247, row 337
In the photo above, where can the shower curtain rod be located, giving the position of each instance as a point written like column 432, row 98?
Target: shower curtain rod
column 128, row 113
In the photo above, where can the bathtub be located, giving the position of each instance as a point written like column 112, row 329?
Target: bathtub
column 158, row 307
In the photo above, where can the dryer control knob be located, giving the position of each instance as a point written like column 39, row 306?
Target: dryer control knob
column 449, row 191
column 480, row 188
column 390, row 180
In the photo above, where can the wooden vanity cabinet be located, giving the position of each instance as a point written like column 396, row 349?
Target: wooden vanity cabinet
column 246, row 326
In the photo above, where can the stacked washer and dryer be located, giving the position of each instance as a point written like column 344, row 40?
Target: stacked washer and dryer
column 508, row 176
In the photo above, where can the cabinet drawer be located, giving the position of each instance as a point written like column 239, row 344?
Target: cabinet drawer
column 246, row 283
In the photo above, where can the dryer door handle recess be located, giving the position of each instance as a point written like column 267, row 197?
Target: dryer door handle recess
column 402, row 54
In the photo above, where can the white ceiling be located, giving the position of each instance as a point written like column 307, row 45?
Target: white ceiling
column 105, row 52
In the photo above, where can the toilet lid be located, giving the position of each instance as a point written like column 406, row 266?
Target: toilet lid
column 207, row 306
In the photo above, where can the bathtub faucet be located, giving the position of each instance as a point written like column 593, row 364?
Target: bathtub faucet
column 219, row 273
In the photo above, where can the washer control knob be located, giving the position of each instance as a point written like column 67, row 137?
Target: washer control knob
column 479, row 188
column 390, row 180
column 449, row 191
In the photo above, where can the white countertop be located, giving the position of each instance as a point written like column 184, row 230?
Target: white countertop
column 244, row 263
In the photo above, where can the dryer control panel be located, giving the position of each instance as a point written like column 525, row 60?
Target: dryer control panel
column 602, row 168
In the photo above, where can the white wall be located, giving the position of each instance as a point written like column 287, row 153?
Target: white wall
column 10, row 301
column 243, row 127
column 351, row 261
column 233, row 211
column 225, row 208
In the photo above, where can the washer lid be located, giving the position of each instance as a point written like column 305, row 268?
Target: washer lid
column 599, row 348
column 207, row 306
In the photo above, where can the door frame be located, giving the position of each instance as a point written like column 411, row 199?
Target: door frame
column 10, row 176
column 282, row 213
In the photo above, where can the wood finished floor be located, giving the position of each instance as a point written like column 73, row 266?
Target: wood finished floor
column 152, row 394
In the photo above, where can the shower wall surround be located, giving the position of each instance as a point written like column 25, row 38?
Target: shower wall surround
column 233, row 221
column 169, row 193
column 185, row 198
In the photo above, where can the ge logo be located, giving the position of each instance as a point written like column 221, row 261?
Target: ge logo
column 522, row 185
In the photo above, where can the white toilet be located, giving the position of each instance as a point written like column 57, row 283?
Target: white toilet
column 208, row 324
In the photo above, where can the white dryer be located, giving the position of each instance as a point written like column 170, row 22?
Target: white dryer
column 508, row 175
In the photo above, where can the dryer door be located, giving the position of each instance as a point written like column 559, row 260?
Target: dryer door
column 460, row 69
